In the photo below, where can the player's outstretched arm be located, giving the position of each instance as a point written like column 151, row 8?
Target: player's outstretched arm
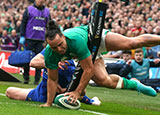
column 51, row 86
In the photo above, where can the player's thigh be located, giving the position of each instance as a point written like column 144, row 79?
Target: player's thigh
column 17, row 93
column 101, row 76
column 114, row 42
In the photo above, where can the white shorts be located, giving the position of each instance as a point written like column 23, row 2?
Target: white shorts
column 102, row 47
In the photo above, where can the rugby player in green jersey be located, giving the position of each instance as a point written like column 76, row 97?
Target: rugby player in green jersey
column 72, row 43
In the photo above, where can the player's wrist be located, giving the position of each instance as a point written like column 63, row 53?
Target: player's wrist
column 78, row 92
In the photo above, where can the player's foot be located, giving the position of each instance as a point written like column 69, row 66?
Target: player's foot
column 147, row 90
column 96, row 101
column 93, row 101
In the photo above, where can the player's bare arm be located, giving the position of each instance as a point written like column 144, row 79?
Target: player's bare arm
column 51, row 86
column 88, row 72
column 38, row 61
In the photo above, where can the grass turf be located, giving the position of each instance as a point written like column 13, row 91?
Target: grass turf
column 114, row 102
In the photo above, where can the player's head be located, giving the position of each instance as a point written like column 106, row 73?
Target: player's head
column 39, row 2
column 55, row 38
column 126, row 55
column 138, row 55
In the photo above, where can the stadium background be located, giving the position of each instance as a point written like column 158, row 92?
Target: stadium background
column 127, row 17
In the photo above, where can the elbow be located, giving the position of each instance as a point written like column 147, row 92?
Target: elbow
column 34, row 64
column 92, row 68
column 52, row 79
column 31, row 64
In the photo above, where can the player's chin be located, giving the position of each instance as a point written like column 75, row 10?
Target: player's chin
column 139, row 61
column 62, row 52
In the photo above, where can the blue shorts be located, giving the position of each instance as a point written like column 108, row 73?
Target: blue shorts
column 39, row 94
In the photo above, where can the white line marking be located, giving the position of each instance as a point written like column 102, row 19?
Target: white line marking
column 94, row 112
column 1, row 94
column 83, row 110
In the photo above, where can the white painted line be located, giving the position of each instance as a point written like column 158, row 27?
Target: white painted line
column 9, row 103
column 94, row 112
column 1, row 94
column 83, row 110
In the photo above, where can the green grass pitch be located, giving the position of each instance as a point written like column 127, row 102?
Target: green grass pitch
column 114, row 102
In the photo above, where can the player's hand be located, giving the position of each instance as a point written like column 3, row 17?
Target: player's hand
column 73, row 96
column 45, row 105
column 63, row 64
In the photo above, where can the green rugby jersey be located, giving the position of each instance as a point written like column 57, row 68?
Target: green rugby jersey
column 76, row 39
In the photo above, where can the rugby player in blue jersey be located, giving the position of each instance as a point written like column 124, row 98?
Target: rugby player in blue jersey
column 39, row 93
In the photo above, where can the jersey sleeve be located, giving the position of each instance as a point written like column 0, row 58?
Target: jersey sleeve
column 51, row 61
column 81, row 48
column 43, row 51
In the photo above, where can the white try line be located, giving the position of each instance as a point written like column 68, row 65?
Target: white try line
column 94, row 112
column 83, row 110
column 1, row 94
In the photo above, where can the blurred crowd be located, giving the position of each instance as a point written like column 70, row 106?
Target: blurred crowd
column 127, row 17
column 133, row 17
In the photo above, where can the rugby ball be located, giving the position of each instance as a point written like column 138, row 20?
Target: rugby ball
column 62, row 101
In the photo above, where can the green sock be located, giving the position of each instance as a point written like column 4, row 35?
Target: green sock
column 129, row 84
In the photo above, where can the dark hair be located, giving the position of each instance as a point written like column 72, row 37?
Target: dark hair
column 51, row 30
column 126, row 52
column 138, row 50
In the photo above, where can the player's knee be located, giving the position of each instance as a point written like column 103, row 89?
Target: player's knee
column 106, row 82
column 9, row 92
column 136, row 43
column 109, row 84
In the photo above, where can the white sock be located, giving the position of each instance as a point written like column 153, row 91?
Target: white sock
column 119, row 84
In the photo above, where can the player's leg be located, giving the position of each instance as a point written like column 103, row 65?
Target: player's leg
column 114, row 41
column 102, row 78
column 39, row 94
column 91, row 101
column 17, row 93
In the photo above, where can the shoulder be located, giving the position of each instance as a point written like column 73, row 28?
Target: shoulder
column 43, row 51
column 80, row 31
column 133, row 62
column 146, row 60
column 48, row 51
column 46, row 8
column 51, row 58
column 29, row 7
